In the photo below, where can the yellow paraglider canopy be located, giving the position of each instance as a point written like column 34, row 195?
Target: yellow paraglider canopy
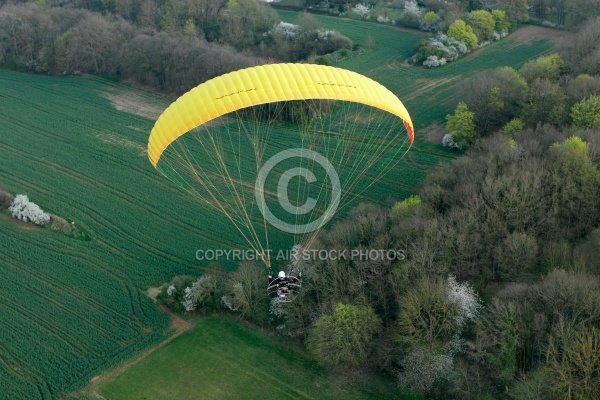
column 268, row 84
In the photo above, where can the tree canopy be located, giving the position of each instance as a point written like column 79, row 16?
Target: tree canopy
column 586, row 113
column 343, row 337
column 463, row 32
column 483, row 24
column 460, row 124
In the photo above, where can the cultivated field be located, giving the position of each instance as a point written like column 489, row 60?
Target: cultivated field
column 72, row 307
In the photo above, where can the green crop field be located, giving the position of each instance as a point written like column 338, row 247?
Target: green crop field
column 221, row 359
column 72, row 307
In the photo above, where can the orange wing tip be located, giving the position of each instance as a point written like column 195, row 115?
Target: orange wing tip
column 411, row 133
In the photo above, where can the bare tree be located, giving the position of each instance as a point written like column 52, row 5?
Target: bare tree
column 6, row 199
column 248, row 293
column 90, row 46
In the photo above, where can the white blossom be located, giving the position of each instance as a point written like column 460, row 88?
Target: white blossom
column 361, row 9
column 448, row 141
column 226, row 300
column 454, row 346
column 324, row 34
column 286, row 29
column 413, row 6
column 451, row 47
column 188, row 302
column 464, row 296
column 421, row 369
column 171, row 289
column 24, row 210
column 202, row 289
column 434, row 61
column 447, row 48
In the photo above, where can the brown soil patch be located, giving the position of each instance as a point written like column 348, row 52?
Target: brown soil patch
column 434, row 133
column 23, row 225
column 153, row 292
column 136, row 103
column 178, row 323
column 530, row 33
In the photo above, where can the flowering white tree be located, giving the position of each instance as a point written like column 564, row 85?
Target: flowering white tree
column 434, row 61
column 239, row 298
column 324, row 34
column 433, row 316
column 24, row 210
column 171, row 290
column 199, row 293
column 464, row 296
column 188, row 303
column 228, row 302
column 287, row 30
column 448, row 141
column 412, row 6
column 422, row 368
column 361, row 9
column 449, row 46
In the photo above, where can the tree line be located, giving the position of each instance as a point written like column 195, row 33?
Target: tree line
column 558, row 90
column 479, row 28
column 171, row 46
column 565, row 14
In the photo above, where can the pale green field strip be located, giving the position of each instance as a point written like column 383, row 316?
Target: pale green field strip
column 221, row 359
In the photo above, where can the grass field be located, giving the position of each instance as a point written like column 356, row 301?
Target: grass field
column 221, row 359
column 70, row 308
